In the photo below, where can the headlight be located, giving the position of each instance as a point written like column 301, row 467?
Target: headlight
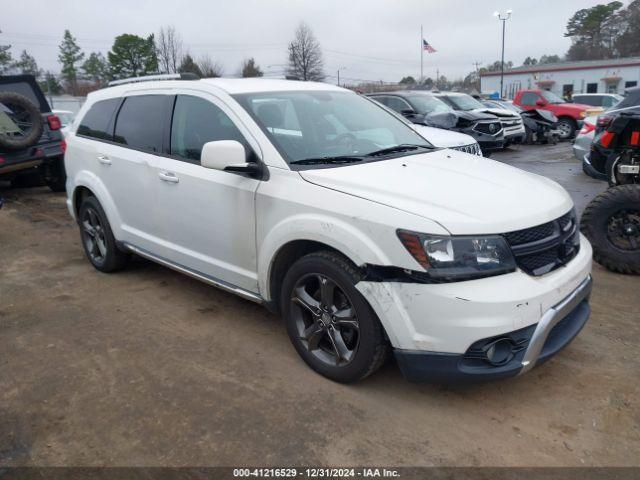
column 457, row 258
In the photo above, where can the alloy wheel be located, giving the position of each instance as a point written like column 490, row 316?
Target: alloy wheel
column 93, row 235
column 325, row 319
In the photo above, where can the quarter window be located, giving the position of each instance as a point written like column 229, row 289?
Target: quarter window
column 140, row 122
column 197, row 121
column 96, row 123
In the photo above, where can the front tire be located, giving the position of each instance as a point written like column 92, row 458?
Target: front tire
column 611, row 222
column 567, row 128
column 97, row 238
column 331, row 325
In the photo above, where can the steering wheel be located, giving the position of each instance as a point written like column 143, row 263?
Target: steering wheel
column 347, row 140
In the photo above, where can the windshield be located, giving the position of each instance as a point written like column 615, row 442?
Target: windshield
column 317, row 125
column 426, row 104
column 551, row 97
column 463, row 102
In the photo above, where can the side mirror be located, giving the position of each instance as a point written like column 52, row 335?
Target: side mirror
column 540, row 103
column 408, row 112
column 229, row 156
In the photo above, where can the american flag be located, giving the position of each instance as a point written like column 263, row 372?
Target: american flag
column 427, row 47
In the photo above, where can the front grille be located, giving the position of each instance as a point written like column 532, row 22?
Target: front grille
column 543, row 248
column 473, row 149
column 490, row 128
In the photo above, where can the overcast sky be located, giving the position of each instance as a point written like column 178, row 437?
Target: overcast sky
column 368, row 39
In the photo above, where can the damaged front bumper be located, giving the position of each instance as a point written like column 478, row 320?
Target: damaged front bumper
column 444, row 332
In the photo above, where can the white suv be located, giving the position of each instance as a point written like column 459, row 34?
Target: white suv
column 319, row 204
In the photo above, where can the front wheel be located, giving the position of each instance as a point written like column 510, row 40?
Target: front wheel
column 611, row 222
column 329, row 322
column 566, row 128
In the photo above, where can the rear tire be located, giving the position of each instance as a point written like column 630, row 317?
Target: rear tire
column 54, row 175
column 331, row 325
column 97, row 238
column 611, row 222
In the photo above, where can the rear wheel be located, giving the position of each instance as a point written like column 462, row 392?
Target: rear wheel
column 611, row 222
column 54, row 174
column 329, row 322
column 97, row 238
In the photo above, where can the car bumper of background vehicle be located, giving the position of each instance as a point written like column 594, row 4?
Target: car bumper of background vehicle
column 491, row 146
column 525, row 348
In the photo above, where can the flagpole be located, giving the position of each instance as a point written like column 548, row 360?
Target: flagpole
column 421, row 56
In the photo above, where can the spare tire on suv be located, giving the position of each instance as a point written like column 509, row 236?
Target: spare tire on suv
column 20, row 122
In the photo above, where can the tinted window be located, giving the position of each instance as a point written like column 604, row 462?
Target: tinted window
column 140, row 122
column 22, row 88
column 196, row 122
column 96, row 122
column 587, row 100
column 632, row 99
column 529, row 99
column 397, row 104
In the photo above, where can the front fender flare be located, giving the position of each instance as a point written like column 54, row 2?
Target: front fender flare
column 344, row 237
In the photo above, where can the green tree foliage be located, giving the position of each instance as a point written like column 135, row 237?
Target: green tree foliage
column 70, row 54
column 132, row 56
column 594, row 32
column 189, row 65
column 251, row 69
column 27, row 65
column 628, row 42
column 530, row 61
column 50, row 84
column 96, row 68
column 5, row 57
column 409, row 80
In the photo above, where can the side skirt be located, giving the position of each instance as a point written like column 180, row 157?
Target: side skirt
column 194, row 274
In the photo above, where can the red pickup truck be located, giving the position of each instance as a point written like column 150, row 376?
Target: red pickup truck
column 570, row 115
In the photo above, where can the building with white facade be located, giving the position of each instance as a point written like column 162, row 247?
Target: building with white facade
column 590, row 76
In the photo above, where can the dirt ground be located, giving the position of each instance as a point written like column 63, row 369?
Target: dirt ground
column 149, row 367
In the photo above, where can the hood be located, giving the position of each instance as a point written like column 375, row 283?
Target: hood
column 498, row 112
column 466, row 194
column 443, row 138
column 474, row 115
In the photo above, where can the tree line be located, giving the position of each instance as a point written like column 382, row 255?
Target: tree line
column 132, row 56
column 601, row 32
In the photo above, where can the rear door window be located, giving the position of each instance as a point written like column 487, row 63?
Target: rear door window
column 140, row 122
column 97, row 122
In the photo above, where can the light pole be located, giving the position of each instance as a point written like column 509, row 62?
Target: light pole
column 503, row 19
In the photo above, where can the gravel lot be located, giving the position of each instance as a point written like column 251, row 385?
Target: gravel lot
column 149, row 367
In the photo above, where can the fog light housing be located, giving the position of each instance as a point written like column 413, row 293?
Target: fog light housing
column 499, row 352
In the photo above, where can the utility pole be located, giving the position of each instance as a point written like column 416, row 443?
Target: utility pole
column 503, row 19
column 477, row 65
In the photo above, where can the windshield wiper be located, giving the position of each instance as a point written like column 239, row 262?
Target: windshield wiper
column 405, row 147
column 326, row 160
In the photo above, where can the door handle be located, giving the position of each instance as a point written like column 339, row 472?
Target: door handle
column 168, row 177
column 103, row 159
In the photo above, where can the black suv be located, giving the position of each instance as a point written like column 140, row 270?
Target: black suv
column 31, row 141
column 425, row 108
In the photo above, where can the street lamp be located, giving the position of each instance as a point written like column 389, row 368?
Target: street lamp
column 503, row 19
